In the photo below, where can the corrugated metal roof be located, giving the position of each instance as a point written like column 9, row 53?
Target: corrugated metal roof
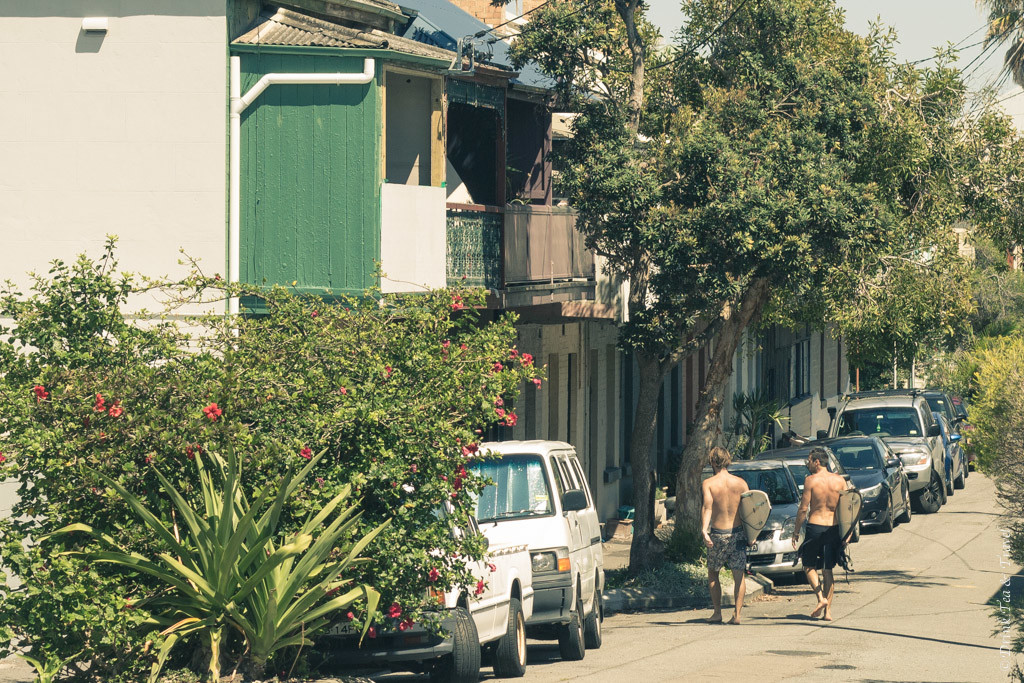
column 442, row 23
column 285, row 27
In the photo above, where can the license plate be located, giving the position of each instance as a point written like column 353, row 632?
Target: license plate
column 342, row 629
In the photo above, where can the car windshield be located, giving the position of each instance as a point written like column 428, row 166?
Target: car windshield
column 520, row 488
column 882, row 421
column 858, row 457
column 939, row 405
column 773, row 482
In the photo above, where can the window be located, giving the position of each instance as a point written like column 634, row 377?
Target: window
column 520, row 488
column 859, row 457
column 883, row 421
column 800, row 368
column 773, row 482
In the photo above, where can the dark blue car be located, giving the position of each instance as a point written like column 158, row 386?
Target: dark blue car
column 878, row 474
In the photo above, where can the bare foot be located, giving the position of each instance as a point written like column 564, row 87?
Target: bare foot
column 828, row 615
column 715, row 619
column 735, row 621
column 822, row 606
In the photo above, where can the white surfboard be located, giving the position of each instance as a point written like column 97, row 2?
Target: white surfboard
column 848, row 512
column 754, row 510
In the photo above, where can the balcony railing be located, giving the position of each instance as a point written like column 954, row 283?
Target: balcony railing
column 542, row 245
column 495, row 247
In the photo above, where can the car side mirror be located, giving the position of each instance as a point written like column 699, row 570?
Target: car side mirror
column 821, row 435
column 955, row 437
column 573, row 500
column 934, row 430
column 892, row 463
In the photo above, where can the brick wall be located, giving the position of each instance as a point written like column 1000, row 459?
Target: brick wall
column 493, row 15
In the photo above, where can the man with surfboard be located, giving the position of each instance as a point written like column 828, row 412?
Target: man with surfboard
column 822, row 540
column 723, row 533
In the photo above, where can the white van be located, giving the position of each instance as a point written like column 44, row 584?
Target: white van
column 540, row 497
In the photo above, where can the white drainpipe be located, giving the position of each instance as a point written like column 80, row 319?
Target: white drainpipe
column 239, row 103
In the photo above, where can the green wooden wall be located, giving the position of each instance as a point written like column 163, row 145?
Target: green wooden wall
column 310, row 176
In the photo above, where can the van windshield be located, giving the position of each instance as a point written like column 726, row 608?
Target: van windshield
column 520, row 488
column 880, row 422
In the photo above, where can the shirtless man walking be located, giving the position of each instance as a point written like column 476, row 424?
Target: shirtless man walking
column 723, row 534
column 822, row 545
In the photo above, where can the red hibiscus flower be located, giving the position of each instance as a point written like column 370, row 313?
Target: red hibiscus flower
column 2, row 459
column 350, row 616
column 479, row 588
column 115, row 409
column 513, row 353
column 41, row 393
column 463, row 347
column 470, row 449
column 406, row 625
column 445, row 344
column 497, row 367
column 499, row 402
column 395, row 610
column 100, row 405
column 500, row 412
column 344, row 391
column 511, row 419
column 387, row 370
column 213, row 412
column 527, row 359
column 189, row 453
column 434, row 575
column 536, row 382
column 306, row 453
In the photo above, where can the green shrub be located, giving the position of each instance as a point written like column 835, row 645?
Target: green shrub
column 395, row 390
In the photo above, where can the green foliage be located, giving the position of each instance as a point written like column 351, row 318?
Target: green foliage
column 756, row 414
column 227, row 569
column 395, row 390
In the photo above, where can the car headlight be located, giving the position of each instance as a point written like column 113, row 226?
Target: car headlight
column 550, row 561
column 916, row 456
column 872, row 492
column 788, row 529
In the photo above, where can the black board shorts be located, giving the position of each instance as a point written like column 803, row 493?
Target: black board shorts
column 821, row 547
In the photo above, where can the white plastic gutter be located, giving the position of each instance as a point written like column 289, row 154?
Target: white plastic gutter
column 239, row 103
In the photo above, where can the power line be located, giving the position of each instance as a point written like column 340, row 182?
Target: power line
column 704, row 42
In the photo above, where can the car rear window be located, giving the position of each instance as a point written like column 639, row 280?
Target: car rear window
column 858, row 457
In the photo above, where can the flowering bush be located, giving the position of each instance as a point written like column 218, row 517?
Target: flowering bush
column 395, row 389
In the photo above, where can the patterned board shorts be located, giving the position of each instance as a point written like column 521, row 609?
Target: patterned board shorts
column 728, row 548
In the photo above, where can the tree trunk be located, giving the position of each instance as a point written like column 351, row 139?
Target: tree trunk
column 637, row 50
column 708, row 416
column 645, row 550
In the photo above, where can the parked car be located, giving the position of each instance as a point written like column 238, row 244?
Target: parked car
column 773, row 553
column 956, row 460
column 960, row 407
column 879, row 475
column 903, row 419
column 541, row 497
column 940, row 402
column 795, row 459
column 492, row 623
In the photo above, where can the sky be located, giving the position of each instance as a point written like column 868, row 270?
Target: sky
column 921, row 25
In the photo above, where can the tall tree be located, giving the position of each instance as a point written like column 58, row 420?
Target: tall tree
column 1006, row 27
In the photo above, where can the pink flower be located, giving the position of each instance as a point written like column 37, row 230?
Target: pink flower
column 434, row 575
column 99, row 406
column 445, row 344
column 497, row 367
column 479, row 588
column 344, row 391
column 2, row 459
column 395, row 610
column 387, row 370
column 527, row 359
column 463, row 347
column 213, row 412
column 189, row 453
column 536, row 382
column 41, row 393
column 149, row 460
column 513, row 353
column 306, row 453
column 493, row 567
column 115, row 410
column 314, row 314
column 511, row 419
column 405, row 625
column 350, row 616
column 499, row 402
column 500, row 412
column 470, row 449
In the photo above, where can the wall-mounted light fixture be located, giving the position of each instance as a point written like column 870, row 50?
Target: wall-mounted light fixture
column 94, row 24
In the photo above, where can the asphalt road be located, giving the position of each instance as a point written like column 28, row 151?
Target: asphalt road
column 914, row 610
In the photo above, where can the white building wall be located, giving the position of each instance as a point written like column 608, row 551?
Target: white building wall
column 120, row 133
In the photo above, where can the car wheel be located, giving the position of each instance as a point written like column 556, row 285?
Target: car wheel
column 510, row 654
column 890, row 518
column 463, row 664
column 949, row 485
column 570, row 636
column 907, row 512
column 959, row 482
column 929, row 500
column 943, row 497
column 592, row 627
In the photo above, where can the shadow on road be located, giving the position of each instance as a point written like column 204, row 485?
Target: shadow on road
column 900, row 577
column 909, row 636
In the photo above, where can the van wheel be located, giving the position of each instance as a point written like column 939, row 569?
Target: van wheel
column 570, row 636
column 510, row 654
column 463, row 664
column 592, row 627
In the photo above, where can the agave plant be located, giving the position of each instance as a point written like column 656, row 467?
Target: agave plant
column 756, row 413
column 227, row 571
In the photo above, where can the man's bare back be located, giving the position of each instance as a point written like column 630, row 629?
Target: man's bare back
column 724, row 490
column 821, row 494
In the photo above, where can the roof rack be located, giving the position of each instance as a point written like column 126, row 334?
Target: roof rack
column 913, row 393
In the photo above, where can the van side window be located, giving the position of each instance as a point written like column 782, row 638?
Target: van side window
column 560, row 478
column 578, row 471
